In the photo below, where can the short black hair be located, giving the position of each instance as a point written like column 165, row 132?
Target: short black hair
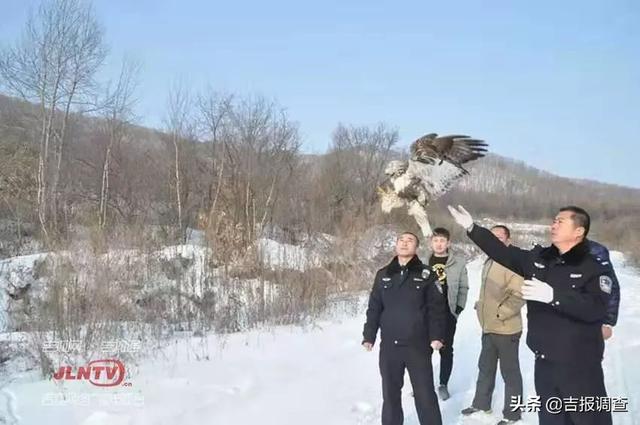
column 412, row 234
column 441, row 231
column 503, row 227
column 580, row 217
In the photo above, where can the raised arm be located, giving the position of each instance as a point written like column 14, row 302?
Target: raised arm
column 511, row 257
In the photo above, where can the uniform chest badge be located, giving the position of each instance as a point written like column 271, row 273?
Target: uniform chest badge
column 605, row 284
column 425, row 273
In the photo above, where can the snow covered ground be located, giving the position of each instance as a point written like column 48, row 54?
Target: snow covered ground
column 316, row 375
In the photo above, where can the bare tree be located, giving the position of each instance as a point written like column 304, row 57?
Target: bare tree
column 117, row 114
column 356, row 163
column 215, row 113
column 17, row 187
column 262, row 154
column 54, row 65
column 180, row 127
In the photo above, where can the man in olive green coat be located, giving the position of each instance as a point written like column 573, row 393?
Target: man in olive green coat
column 498, row 309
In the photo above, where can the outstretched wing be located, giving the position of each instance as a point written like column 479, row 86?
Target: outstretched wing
column 457, row 149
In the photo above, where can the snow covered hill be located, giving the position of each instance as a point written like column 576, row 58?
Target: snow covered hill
column 313, row 375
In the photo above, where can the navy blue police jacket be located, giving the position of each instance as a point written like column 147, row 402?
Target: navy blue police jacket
column 567, row 329
column 407, row 305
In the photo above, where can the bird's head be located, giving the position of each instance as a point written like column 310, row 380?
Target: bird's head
column 396, row 168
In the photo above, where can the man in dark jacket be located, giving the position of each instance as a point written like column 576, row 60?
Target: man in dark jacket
column 408, row 306
column 451, row 269
column 567, row 292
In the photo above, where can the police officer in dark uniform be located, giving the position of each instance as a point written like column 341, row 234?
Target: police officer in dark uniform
column 408, row 306
column 567, row 291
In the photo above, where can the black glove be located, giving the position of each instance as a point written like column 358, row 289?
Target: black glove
column 459, row 309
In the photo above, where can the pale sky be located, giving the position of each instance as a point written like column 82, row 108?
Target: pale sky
column 555, row 84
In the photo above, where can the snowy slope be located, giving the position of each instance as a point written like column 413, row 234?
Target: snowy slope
column 290, row 375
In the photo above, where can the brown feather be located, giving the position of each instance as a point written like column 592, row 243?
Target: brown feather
column 457, row 149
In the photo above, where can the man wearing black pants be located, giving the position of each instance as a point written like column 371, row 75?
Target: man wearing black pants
column 451, row 270
column 407, row 305
column 446, row 355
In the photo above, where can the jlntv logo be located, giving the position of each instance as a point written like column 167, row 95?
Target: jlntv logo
column 101, row 373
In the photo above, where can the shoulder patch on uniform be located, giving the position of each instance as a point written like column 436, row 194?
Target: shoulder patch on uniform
column 386, row 279
column 575, row 275
column 538, row 265
column 605, row 284
column 425, row 273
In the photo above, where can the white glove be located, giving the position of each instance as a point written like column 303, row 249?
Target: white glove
column 461, row 216
column 537, row 290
